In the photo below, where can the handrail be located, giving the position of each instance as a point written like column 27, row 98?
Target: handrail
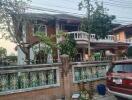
column 84, row 35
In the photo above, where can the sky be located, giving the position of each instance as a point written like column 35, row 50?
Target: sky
column 122, row 9
column 10, row 46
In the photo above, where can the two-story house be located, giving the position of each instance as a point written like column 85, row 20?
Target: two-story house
column 52, row 24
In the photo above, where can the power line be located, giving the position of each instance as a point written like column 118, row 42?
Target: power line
column 58, row 6
column 83, row 14
column 105, row 2
column 116, row 5
column 125, row 18
column 53, row 10
column 58, row 11
column 64, row 12
column 120, row 2
column 112, row 4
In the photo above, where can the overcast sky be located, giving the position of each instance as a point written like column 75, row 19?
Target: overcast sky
column 121, row 8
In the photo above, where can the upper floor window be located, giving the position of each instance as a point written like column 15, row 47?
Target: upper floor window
column 39, row 26
column 118, row 37
column 69, row 27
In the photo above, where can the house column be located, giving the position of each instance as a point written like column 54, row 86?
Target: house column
column 66, row 76
column 24, row 31
column 21, row 55
column 116, row 56
column 84, row 59
column 57, row 40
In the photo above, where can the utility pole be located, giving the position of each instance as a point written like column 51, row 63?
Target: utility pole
column 88, row 20
column 86, row 4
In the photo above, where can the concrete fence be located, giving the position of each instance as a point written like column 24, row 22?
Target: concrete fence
column 49, row 81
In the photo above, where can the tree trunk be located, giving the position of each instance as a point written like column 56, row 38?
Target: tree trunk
column 88, row 15
column 89, row 50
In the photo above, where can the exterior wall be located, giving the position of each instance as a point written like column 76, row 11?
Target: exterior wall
column 121, row 36
column 57, row 39
column 20, row 57
column 30, row 38
column 31, row 54
column 65, row 87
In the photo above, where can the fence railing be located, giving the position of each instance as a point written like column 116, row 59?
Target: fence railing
column 75, row 59
column 91, row 59
column 89, row 72
column 26, row 78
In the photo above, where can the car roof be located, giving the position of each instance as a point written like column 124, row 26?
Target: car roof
column 122, row 61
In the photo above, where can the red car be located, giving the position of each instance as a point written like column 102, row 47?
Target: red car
column 119, row 79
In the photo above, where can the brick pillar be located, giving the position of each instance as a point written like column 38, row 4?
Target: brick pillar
column 66, row 76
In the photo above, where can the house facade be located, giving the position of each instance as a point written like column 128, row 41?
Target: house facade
column 52, row 24
column 123, row 33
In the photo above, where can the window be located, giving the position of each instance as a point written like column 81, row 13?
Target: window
column 121, row 68
column 128, row 68
column 117, row 68
column 118, row 37
column 39, row 26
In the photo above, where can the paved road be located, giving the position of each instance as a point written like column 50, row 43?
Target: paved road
column 107, row 97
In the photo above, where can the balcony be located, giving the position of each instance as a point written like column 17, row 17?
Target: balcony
column 129, row 40
column 82, row 37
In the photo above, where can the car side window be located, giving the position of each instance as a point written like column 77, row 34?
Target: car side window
column 117, row 68
column 128, row 68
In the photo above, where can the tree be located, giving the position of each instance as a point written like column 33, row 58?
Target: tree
column 45, row 51
column 11, row 19
column 101, row 21
column 68, row 46
column 86, row 22
column 3, row 52
column 97, row 20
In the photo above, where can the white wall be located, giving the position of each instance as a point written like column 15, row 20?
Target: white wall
column 20, row 57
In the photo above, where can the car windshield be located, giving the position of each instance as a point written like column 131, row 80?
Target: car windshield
column 121, row 68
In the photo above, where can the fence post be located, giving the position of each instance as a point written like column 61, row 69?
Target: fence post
column 66, row 76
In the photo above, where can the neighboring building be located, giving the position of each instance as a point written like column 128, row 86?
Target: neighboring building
column 52, row 24
column 123, row 33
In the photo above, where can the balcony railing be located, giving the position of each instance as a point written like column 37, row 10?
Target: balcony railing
column 80, row 35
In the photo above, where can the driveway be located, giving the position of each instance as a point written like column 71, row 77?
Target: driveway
column 107, row 97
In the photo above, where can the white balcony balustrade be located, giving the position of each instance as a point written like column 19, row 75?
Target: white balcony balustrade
column 79, row 35
column 109, row 38
column 83, row 36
